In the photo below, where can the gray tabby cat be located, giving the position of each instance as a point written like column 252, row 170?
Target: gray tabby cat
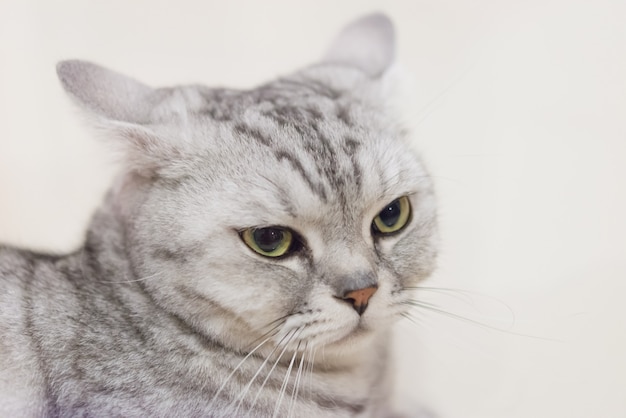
column 249, row 261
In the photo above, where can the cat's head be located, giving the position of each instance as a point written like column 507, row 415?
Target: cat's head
column 295, row 211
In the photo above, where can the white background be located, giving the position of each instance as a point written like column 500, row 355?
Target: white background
column 520, row 115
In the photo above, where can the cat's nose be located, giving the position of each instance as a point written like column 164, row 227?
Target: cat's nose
column 359, row 298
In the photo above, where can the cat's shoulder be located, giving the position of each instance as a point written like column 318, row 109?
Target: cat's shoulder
column 17, row 264
column 21, row 388
column 25, row 272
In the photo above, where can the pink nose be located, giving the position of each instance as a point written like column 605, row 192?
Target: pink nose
column 359, row 298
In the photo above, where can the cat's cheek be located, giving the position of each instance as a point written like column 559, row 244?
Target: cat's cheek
column 416, row 260
column 412, row 255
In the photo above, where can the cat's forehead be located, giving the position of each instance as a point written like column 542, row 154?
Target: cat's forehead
column 300, row 100
column 304, row 149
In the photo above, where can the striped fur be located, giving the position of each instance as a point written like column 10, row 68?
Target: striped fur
column 165, row 312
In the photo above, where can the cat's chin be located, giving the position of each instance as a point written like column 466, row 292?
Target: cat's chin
column 362, row 330
column 355, row 347
column 359, row 337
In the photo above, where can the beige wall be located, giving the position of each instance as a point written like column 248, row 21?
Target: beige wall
column 520, row 113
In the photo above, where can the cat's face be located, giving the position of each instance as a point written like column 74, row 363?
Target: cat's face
column 258, row 214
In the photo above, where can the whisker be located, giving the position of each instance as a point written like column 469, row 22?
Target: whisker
column 293, row 334
column 84, row 273
column 280, row 324
column 468, row 296
column 312, row 351
column 296, row 387
column 412, row 318
column 454, row 293
column 221, row 388
column 436, row 309
column 241, row 397
column 406, row 315
column 285, row 382
column 453, row 315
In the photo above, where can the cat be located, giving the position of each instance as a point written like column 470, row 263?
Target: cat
column 249, row 260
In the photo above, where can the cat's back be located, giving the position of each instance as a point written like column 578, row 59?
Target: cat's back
column 17, row 273
column 24, row 275
column 14, row 264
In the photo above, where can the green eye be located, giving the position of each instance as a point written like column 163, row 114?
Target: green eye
column 269, row 242
column 393, row 217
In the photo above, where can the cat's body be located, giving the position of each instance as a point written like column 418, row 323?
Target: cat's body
column 170, row 309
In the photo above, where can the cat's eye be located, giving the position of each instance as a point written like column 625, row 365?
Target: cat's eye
column 393, row 217
column 272, row 241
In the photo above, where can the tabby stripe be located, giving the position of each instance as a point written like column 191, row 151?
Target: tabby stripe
column 253, row 133
column 351, row 147
column 182, row 325
column 29, row 326
column 316, row 188
column 355, row 408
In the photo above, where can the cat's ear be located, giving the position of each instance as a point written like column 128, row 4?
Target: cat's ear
column 120, row 107
column 367, row 43
column 106, row 93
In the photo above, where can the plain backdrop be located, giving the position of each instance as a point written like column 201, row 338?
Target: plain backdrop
column 519, row 112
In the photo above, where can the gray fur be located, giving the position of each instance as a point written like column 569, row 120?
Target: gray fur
column 165, row 312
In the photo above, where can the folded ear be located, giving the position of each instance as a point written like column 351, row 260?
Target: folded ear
column 367, row 43
column 105, row 92
column 121, row 107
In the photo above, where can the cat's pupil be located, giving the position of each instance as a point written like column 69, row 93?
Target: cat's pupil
column 390, row 215
column 268, row 239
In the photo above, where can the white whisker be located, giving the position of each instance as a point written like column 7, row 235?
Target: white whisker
column 221, row 388
column 313, row 350
column 243, row 394
column 285, row 382
column 83, row 272
column 433, row 308
column 466, row 296
column 296, row 386
column 293, row 334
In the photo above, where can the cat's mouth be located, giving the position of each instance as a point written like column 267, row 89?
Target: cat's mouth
column 353, row 334
column 359, row 331
column 324, row 331
column 354, row 338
